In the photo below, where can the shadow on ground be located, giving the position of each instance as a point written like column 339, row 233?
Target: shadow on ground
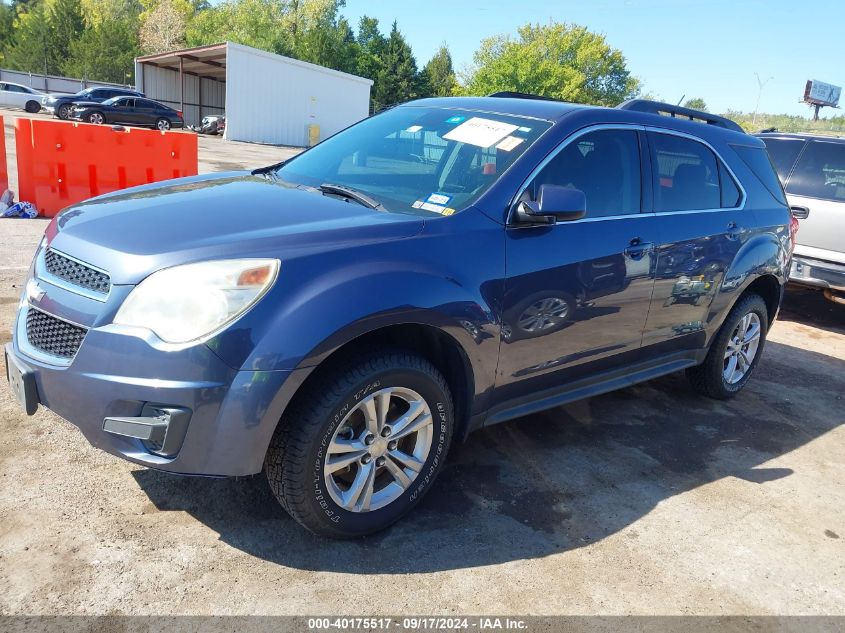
column 550, row 482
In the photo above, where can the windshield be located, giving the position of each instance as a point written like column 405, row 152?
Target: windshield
column 83, row 93
column 414, row 158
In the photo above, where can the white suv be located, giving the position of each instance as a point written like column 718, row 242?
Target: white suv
column 812, row 170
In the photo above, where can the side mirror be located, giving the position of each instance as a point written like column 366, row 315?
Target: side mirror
column 800, row 213
column 554, row 204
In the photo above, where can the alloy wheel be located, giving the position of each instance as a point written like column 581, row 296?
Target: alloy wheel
column 742, row 348
column 96, row 119
column 378, row 449
column 163, row 125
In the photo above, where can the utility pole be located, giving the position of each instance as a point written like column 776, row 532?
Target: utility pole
column 760, row 85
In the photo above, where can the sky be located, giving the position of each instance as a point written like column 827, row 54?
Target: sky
column 677, row 48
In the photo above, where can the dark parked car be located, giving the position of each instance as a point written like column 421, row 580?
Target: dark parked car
column 339, row 319
column 62, row 105
column 812, row 169
column 135, row 111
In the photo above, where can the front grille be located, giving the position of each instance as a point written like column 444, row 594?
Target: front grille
column 52, row 335
column 76, row 273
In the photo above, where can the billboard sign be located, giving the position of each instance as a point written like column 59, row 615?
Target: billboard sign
column 819, row 93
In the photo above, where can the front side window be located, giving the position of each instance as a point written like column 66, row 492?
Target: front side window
column 686, row 174
column 820, row 172
column 605, row 165
column 417, row 159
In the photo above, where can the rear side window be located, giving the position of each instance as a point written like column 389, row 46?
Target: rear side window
column 605, row 165
column 758, row 161
column 820, row 172
column 687, row 176
column 783, row 152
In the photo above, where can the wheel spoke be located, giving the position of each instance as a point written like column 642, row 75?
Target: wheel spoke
column 382, row 404
column 406, row 461
column 752, row 334
column 368, row 408
column 730, row 369
column 361, row 489
column 339, row 446
column 397, row 472
column 414, row 419
column 333, row 464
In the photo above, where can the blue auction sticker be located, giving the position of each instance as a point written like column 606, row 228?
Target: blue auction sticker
column 455, row 119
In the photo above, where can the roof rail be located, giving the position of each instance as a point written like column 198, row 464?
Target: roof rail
column 656, row 107
column 510, row 94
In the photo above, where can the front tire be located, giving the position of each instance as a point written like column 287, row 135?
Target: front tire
column 64, row 112
column 32, row 107
column 735, row 351
column 362, row 445
column 96, row 118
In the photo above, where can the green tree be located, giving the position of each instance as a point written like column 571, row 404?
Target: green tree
column 7, row 20
column 67, row 25
column 397, row 79
column 563, row 61
column 438, row 76
column 105, row 52
column 697, row 103
column 163, row 24
column 256, row 23
column 33, row 49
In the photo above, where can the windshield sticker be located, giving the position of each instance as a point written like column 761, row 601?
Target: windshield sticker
column 439, row 198
column 508, row 143
column 436, row 208
column 414, row 128
column 480, row 132
column 524, row 129
column 455, row 119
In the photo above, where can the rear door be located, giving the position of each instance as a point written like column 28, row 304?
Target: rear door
column 818, row 182
column 147, row 112
column 577, row 293
column 702, row 226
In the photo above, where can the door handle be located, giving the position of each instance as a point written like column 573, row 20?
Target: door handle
column 637, row 248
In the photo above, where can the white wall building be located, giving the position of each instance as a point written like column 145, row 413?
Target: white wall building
column 267, row 98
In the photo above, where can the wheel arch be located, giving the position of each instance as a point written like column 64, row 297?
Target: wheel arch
column 433, row 343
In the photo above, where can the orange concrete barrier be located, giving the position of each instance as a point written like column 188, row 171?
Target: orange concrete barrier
column 4, row 171
column 61, row 163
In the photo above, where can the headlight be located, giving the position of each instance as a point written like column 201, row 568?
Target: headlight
column 189, row 302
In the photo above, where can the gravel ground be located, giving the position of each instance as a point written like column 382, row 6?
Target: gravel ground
column 650, row 500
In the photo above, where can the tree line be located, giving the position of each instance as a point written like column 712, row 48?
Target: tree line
column 99, row 39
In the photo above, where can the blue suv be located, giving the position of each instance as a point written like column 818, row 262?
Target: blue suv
column 339, row 319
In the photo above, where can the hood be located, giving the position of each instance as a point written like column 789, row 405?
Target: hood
column 134, row 232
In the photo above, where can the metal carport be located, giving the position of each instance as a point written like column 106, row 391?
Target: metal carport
column 267, row 98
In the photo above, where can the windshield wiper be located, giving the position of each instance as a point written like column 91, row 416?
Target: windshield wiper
column 352, row 194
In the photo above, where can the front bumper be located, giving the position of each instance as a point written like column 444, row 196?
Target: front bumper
column 232, row 414
column 817, row 273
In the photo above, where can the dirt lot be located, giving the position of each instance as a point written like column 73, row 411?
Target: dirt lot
column 648, row 500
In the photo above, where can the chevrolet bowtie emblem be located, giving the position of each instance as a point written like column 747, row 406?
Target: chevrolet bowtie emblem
column 34, row 292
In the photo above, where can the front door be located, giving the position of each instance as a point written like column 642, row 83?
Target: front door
column 577, row 293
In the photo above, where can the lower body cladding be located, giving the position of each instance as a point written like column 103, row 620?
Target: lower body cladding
column 818, row 273
column 182, row 411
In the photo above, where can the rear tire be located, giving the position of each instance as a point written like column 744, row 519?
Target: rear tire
column 163, row 125
column 32, row 107
column 330, row 425
column 735, row 351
